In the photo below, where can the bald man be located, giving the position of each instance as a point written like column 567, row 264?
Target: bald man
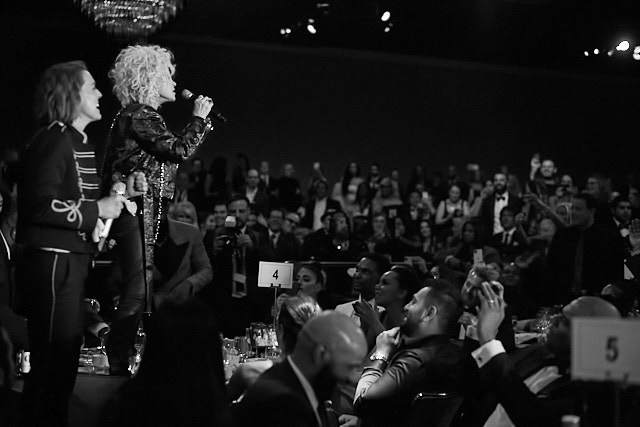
column 518, row 381
column 330, row 348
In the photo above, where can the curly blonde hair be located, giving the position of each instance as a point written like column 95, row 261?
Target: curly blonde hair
column 138, row 73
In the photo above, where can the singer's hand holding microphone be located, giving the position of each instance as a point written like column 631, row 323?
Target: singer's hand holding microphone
column 203, row 106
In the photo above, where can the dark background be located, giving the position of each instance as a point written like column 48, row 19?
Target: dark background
column 485, row 82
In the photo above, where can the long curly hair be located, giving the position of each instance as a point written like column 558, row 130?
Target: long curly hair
column 138, row 73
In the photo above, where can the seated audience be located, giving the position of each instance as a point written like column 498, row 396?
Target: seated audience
column 294, row 393
column 533, row 387
column 418, row 356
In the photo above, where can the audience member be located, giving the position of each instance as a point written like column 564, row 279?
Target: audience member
column 258, row 198
column 367, row 275
column 493, row 201
column 384, row 198
column 451, row 214
column 585, row 257
column 216, row 184
column 417, row 356
column 379, row 240
column 236, row 297
column 184, row 212
column 533, row 387
column 277, row 245
column 182, row 268
column 621, row 212
column 239, row 173
column 318, row 206
column 287, row 189
column 294, row 393
column 512, row 240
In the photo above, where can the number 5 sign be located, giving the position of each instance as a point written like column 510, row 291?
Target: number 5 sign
column 605, row 349
column 275, row 275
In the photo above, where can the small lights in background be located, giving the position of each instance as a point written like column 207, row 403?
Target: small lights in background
column 622, row 49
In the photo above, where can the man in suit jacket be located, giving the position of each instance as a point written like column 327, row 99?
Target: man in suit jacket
column 277, row 245
column 258, row 198
column 293, row 393
column 182, row 267
column 494, row 201
column 320, row 204
column 519, row 380
column 512, row 240
column 585, row 257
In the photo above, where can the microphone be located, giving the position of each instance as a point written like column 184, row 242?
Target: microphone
column 215, row 112
column 120, row 189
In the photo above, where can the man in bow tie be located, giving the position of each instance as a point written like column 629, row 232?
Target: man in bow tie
column 493, row 201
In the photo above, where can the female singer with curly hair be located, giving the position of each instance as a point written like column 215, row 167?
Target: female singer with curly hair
column 139, row 141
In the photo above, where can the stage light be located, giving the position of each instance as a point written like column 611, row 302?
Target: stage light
column 596, row 51
column 586, row 53
column 385, row 16
column 623, row 46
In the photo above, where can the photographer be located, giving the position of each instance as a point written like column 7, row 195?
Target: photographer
column 235, row 295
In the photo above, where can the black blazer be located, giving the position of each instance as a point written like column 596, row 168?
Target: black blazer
column 486, row 211
column 287, row 248
column 276, row 399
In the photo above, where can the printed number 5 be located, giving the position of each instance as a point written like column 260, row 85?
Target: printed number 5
column 612, row 349
column 275, row 275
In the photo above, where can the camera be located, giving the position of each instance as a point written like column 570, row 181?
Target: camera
column 230, row 231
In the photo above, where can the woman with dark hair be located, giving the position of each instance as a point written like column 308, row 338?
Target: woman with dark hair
column 345, row 190
column 405, row 241
column 456, row 261
column 451, row 214
column 140, row 141
column 239, row 173
column 361, row 205
column 396, row 288
column 293, row 314
column 427, row 241
column 59, row 221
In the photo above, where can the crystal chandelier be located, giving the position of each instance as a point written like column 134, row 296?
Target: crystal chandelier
column 130, row 19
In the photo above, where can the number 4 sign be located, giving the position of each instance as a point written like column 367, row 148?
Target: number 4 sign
column 275, row 275
column 605, row 349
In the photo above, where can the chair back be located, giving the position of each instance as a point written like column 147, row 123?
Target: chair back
column 431, row 409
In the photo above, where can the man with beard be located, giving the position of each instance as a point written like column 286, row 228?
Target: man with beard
column 492, row 203
column 418, row 356
column 293, row 393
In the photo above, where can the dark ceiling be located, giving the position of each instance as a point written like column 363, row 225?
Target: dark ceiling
column 539, row 33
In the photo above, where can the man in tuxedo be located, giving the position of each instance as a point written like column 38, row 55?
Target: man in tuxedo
column 494, row 201
column 512, row 240
column 622, row 214
column 329, row 349
column 321, row 203
column 585, row 257
column 278, row 246
column 418, row 356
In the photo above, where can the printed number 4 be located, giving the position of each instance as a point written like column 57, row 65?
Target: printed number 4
column 612, row 349
column 275, row 275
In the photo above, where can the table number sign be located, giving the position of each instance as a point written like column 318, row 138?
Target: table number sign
column 275, row 275
column 605, row 350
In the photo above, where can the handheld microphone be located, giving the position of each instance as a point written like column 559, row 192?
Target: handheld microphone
column 120, row 189
column 215, row 112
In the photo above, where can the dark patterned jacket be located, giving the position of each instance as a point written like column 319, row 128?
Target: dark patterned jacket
column 57, row 190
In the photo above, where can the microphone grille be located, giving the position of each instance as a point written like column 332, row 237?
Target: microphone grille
column 187, row 94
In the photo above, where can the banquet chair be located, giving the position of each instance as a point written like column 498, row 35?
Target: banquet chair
column 431, row 409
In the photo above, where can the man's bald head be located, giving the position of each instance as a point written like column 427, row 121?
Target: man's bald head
column 330, row 341
column 332, row 330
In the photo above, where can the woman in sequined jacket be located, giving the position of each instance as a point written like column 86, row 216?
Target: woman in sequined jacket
column 139, row 141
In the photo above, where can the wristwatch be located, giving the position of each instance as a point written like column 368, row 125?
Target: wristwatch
column 379, row 356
